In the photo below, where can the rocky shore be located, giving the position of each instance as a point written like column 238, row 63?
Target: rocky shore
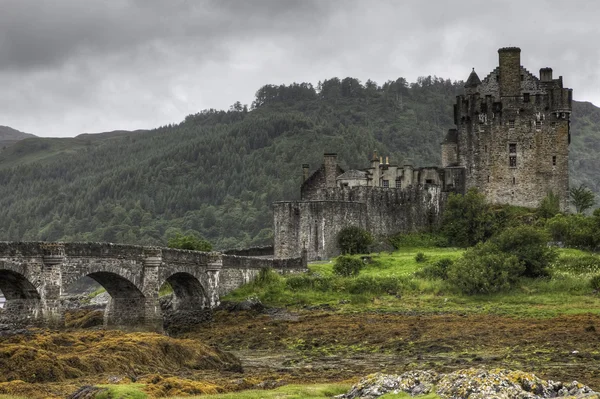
column 474, row 383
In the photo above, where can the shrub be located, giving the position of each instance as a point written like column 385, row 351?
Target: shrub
column 530, row 246
column 484, row 269
column 374, row 285
column 595, row 282
column 266, row 276
column 436, row 270
column 347, row 266
column 420, row 257
column 549, row 206
column 354, row 240
column 190, row 242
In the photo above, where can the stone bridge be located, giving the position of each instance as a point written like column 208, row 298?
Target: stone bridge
column 34, row 275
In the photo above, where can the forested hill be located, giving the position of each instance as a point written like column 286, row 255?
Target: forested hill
column 9, row 136
column 216, row 173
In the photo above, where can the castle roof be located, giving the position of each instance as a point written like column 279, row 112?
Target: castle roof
column 353, row 174
column 473, row 80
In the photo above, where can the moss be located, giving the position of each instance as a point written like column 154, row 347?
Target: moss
column 60, row 356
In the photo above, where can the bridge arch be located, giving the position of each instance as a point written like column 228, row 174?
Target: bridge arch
column 188, row 291
column 23, row 301
column 127, row 304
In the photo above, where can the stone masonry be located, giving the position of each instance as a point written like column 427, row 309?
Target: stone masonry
column 33, row 276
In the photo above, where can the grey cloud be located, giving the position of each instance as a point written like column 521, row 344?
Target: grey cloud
column 68, row 66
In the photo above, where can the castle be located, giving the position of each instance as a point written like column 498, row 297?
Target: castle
column 511, row 142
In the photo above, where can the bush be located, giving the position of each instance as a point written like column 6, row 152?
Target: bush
column 420, row 257
column 484, row 269
column 530, row 246
column 354, row 240
column 190, row 242
column 436, row 270
column 374, row 285
column 595, row 282
column 347, row 266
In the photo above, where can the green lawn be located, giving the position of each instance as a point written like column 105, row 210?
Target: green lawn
column 388, row 283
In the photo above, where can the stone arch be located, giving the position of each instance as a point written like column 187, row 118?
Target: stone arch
column 126, row 307
column 23, row 301
column 188, row 291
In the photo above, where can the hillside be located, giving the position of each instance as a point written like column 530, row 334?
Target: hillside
column 217, row 172
column 9, row 136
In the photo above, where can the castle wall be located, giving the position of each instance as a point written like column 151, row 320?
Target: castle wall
column 315, row 224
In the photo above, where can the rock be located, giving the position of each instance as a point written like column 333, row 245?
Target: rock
column 87, row 392
column 468, row 384
column 250, row 304
column 100, row 299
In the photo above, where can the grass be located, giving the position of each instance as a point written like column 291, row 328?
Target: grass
column 388, row 283
column 125, row 391
column 295, row 391
column 313, row 391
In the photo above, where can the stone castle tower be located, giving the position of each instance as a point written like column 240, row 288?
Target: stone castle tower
column 512, row 134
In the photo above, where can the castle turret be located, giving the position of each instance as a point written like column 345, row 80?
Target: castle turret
column 546, row 74
column 305, row 175
column 407, row 177
column 375, row 173
column 330, row 163
column 473, row 83
column 510, row 71
column 450, row 149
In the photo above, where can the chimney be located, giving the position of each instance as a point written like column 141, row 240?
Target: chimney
column 510, row 71
column 546, row 74
column 305, row 172
column 330, row 164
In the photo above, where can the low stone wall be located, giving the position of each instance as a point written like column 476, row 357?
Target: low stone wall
column 253, row 251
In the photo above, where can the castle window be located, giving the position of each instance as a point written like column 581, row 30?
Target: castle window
column 398, row 183
column 512, row 161
column 485, row 148
column 538, row 125
column 525, row 97
column 428, row 181
column 514, row 180
column 512, row 148
column 488, row 178
column 554, row 160
column 386, row 183
column 522, row 78
column 511, row 124
column 553, row 124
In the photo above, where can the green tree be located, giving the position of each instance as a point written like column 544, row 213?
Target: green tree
column 190, row 242
column 354, row 240
column 467, row 219
column 582, row 198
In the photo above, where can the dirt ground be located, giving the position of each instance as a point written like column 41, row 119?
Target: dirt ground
column 278, row 347
column 325, row 346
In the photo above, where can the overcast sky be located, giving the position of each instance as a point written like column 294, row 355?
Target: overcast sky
column 73, row 66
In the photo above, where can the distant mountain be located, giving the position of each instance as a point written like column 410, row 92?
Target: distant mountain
column 216, row 173
column 9, row 136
